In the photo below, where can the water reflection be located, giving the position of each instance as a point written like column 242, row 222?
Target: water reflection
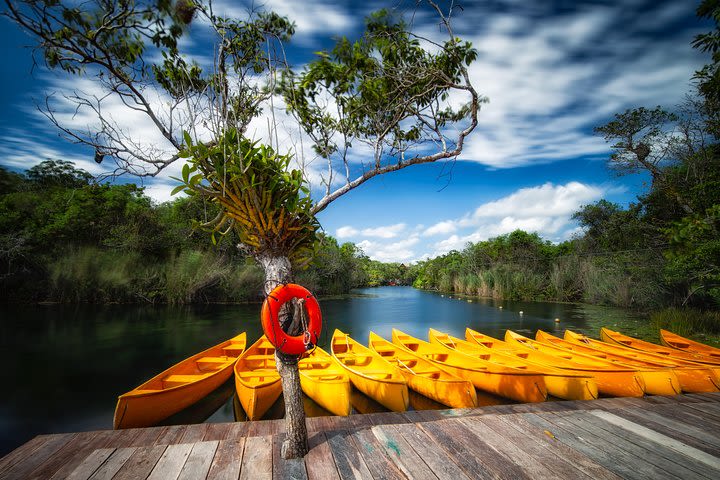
column 66, row 365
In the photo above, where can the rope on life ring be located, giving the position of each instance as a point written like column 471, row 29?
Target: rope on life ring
column 269, row 317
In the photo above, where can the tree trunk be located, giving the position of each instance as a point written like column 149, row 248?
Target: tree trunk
column 278, row 270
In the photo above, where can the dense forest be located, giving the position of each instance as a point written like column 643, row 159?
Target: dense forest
column 66, row 238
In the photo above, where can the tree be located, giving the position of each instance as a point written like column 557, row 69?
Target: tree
column 391, row 92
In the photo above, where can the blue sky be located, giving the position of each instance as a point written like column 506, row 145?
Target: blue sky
column 551, row 70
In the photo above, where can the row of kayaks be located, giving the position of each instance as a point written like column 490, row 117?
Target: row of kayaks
column 445, row 369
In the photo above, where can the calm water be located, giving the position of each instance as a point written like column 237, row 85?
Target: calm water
column 66, row 365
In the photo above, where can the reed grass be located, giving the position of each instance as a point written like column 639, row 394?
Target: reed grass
column 687, row 322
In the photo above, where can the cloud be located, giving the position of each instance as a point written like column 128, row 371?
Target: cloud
column 546, row 210
column 311, row 18
column 388, row 231
column 547, row 200
column 346, row 232
column 551, row 77
column 400, row 251
column 441, row 228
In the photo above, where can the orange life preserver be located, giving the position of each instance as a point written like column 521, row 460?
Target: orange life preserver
column 292, row 345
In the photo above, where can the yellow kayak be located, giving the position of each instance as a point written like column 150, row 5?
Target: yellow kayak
column 659, row 379
column 683, row 344
column 179, row 386
column 693, row 377
column 257, row 381
column 614, row 380
column 618, row 338
column 559, row 383
column 508, row 382
column 426, row 377
column 370, row 373
column 326, row 382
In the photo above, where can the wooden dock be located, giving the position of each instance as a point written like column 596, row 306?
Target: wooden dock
column 649, row 438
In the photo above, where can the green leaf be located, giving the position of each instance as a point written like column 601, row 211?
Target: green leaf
column 177, row 189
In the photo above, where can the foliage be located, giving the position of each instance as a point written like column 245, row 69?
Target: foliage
column 687, row 322
column 105, row 243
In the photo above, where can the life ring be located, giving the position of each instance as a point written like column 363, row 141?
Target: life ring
column 292, row 345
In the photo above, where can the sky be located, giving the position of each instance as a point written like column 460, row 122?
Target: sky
column 552, row 71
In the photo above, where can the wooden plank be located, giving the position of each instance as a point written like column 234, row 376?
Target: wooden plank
column 348, row 461
column 470, row 452
column 680, row 447
column 171, row 462
column 257, row 458
column 25, row 450
column 194, row 433
column 237, row 431
column 140, row 463
column 73, row 454
column 198, row 462
column 585, row 443
column 522, row 451
column 680, row 426
column 259, row 428
column 91, row 463
column 627, row 448
column 70, row 456
column 227, row 460
column 690, row 416
column 551, row 449
column 113, row 464
column 30, row 460
column 638, row 417
column 425, row 447
column 147, row 437
column 122, row 438
column 708, row 408
column 402, row 454
column 379, row 464
column 171, row 435
column 217, row 431
column 319, row 463
column 671, row 461
column 293, row 468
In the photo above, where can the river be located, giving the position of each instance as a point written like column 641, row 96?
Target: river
column 66, row 365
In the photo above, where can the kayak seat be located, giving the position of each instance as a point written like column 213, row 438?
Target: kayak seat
column 267, row 373
column 177, row 380
column 212, row 363
column 233, row 350
column 357, row 360
column 382, row 350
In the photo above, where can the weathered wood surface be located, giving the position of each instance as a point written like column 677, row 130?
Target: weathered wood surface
column 610, row 438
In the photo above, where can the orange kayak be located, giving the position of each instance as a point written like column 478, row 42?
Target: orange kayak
column 508, row 382
column 659, row 379
column 560, row 383
column 693, row 377
column 179, row 386
column 257, row 381
column 618, row 338
column 611, row 379
column 674, row 340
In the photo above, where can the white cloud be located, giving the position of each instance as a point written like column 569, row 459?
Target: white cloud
column 346, row 232
column 441, row 228
column 546, row 210
column 388, row 231
column 400, row 251
column 310, row 17
column 547, row 200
